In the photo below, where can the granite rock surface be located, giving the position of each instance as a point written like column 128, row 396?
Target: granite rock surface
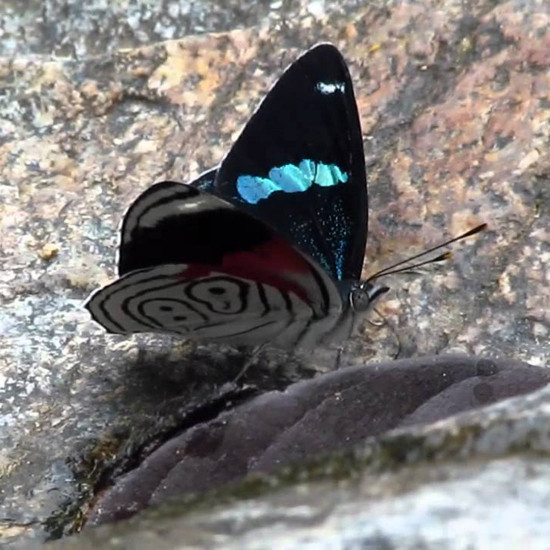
column 454, row 104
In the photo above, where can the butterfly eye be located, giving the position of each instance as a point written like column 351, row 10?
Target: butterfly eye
column 363, row 296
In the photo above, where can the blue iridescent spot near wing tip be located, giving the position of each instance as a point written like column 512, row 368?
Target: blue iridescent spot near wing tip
column 290, row 179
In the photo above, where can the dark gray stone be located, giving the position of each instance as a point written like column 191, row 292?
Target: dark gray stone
column 477, row 480
column 330, row 413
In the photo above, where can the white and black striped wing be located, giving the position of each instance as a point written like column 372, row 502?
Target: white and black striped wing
column 216, row 306
column 193, row 264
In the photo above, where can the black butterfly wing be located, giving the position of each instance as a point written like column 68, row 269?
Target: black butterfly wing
column 166, row 225
column 175, row 223
column 299, row 164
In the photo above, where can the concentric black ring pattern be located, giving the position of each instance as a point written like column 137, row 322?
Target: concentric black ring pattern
column 217, row 307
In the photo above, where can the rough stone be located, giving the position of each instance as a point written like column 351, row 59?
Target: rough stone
column 478, row 480
column 454, row 104
column 329, row 413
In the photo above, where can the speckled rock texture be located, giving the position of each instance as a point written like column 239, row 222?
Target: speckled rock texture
column 81, row 29
column 454, row 102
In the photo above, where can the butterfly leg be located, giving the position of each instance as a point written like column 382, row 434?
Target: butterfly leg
column 338, row 360
column 377, row 323
column 252, row 357
column 392, row 330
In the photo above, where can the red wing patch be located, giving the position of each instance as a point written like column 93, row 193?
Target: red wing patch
column 270, row 263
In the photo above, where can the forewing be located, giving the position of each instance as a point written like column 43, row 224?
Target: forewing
column 299, row 164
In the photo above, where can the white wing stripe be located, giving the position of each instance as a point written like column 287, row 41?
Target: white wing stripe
column 218, row 306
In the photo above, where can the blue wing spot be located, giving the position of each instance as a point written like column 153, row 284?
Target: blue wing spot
column 329, row 174
column 308, row 168
column 290, row 179
column 253, row 189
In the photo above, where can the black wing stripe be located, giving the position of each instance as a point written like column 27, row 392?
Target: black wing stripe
column 132, row 304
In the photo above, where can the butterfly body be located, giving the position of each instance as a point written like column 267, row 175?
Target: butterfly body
column 268, row 247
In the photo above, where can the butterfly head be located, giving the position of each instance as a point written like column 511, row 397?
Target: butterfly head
column 365, row 293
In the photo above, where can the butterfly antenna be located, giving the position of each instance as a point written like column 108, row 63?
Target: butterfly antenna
column 442, row 257
column 407, row 268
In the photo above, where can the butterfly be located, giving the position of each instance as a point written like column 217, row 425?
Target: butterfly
column 269, row 246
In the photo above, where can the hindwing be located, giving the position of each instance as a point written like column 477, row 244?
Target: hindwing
column 191, row 263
